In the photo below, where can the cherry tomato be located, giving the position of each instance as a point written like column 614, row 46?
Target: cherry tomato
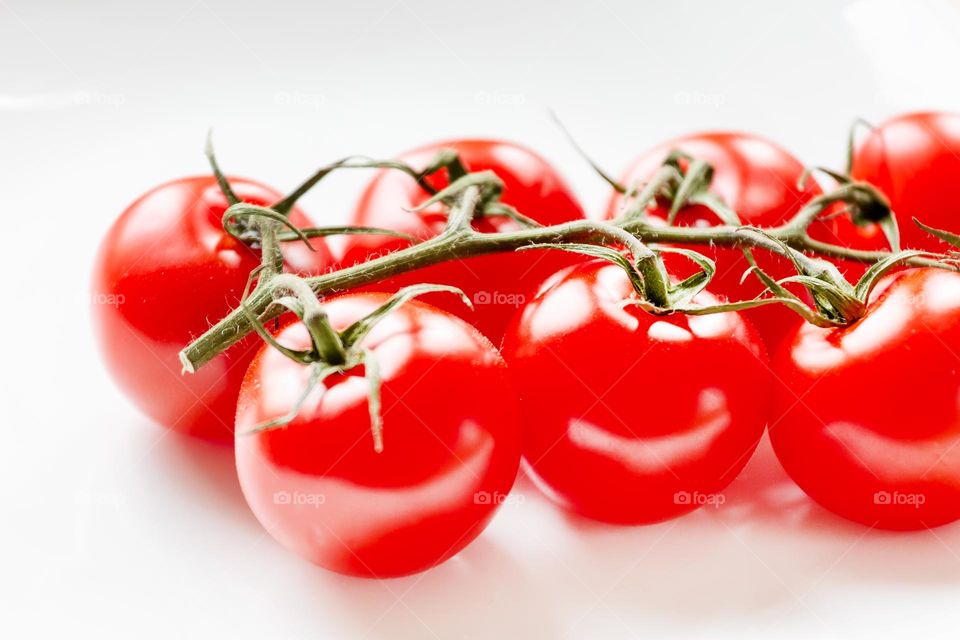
column 451, row 444
column 869, row 424
column 165, row 271
column 914, row 159
column 758, row 180
column 497, row 284
column 631, row 417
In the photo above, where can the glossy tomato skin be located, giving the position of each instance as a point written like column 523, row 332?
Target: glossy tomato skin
column 497, row 284
column 451, row 445
column 628, row 417
column 876, row 437
column 164, row 273
column 914, row 159
column 758, row 180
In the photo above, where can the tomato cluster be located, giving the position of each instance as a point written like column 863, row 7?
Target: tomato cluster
column 620, row 413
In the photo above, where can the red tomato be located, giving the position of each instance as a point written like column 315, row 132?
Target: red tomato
column 451, row 444
column 758, row 180
column 875, row 434
column 497, row 284
column 165, row 271
column 630, row 417
column 914, row 159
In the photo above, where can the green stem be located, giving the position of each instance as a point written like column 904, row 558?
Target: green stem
column 461, row 243
column 272, row 257
column 325, row 338
column 798, row 225
column 667, row 174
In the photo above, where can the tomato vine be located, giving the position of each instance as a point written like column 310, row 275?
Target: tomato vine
column 624, row 240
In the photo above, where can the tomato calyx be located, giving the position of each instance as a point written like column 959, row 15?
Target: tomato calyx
column 237, row 223
column 488, row 204
column 697, row 177
column 862, row 202
column 332, row 352
column 836, row 302
column 684, row 180
column 239, row 220
column 236, row 219
column 681, row 180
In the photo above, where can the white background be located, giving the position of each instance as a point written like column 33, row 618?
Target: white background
column 114, row 528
